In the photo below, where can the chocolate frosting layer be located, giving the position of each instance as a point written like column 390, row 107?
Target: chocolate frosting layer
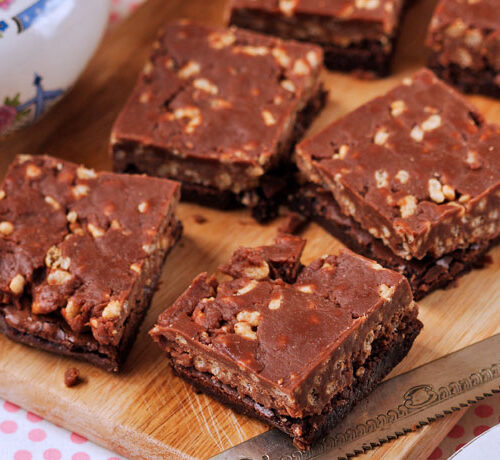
column 467, row 34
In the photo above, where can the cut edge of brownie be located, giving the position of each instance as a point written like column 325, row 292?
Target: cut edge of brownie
column 366, row 59
column 466, row 80
column 384, row 357
column 113, row 360
column 424, row 276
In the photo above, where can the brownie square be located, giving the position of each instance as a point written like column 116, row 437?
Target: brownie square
column 220, row 110
column 298, row 354
column 354, row 34
column 464, row 38
column 80, row 256
column 423, row 173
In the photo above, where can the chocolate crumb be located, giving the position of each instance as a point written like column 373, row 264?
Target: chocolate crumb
column 364, row 74
column 292, row 223
column 72, row 377
column 199, row 219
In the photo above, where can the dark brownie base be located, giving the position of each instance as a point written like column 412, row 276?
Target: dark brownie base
column 424, row 275
column 367, row 59
column 384, row 357
column 106, row 362
column 466, row 80
column 110, row 361
column 209, row 196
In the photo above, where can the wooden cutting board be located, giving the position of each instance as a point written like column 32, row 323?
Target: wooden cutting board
column 146, row 412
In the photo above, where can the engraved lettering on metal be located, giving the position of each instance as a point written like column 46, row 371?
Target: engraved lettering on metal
column 415, row 400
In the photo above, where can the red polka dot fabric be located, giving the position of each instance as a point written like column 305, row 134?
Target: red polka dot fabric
column 478, row 419
column 122, row 8
column 27, row 436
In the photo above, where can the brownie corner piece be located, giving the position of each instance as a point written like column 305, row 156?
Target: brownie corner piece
column 280, row 260
column 220, row 110
column 464, row 39
column 296, row 354
column 80, row 255
column 418, row 190
column 356, row 35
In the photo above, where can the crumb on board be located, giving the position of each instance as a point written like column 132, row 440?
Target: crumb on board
column 199, row 219
column 292, row 222
column 487, row 259
column 72, row 377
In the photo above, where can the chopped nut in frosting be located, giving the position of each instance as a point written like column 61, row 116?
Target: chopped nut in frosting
column 17, row 284
column 6, row 228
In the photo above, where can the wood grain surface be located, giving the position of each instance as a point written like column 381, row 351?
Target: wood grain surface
column 146, row 412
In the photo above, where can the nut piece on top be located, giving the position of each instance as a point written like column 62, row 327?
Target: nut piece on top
column 80, row 255
column 355, row 34
column 293, row 353
column 418, row 188
column 464, row 38
column 220, row 110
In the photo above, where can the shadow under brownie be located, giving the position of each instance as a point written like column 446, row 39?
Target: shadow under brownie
column 297, row 354
column 81, row 253
column 220, row 110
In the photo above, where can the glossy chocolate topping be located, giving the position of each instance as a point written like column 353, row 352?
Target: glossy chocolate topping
column 466, row 33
